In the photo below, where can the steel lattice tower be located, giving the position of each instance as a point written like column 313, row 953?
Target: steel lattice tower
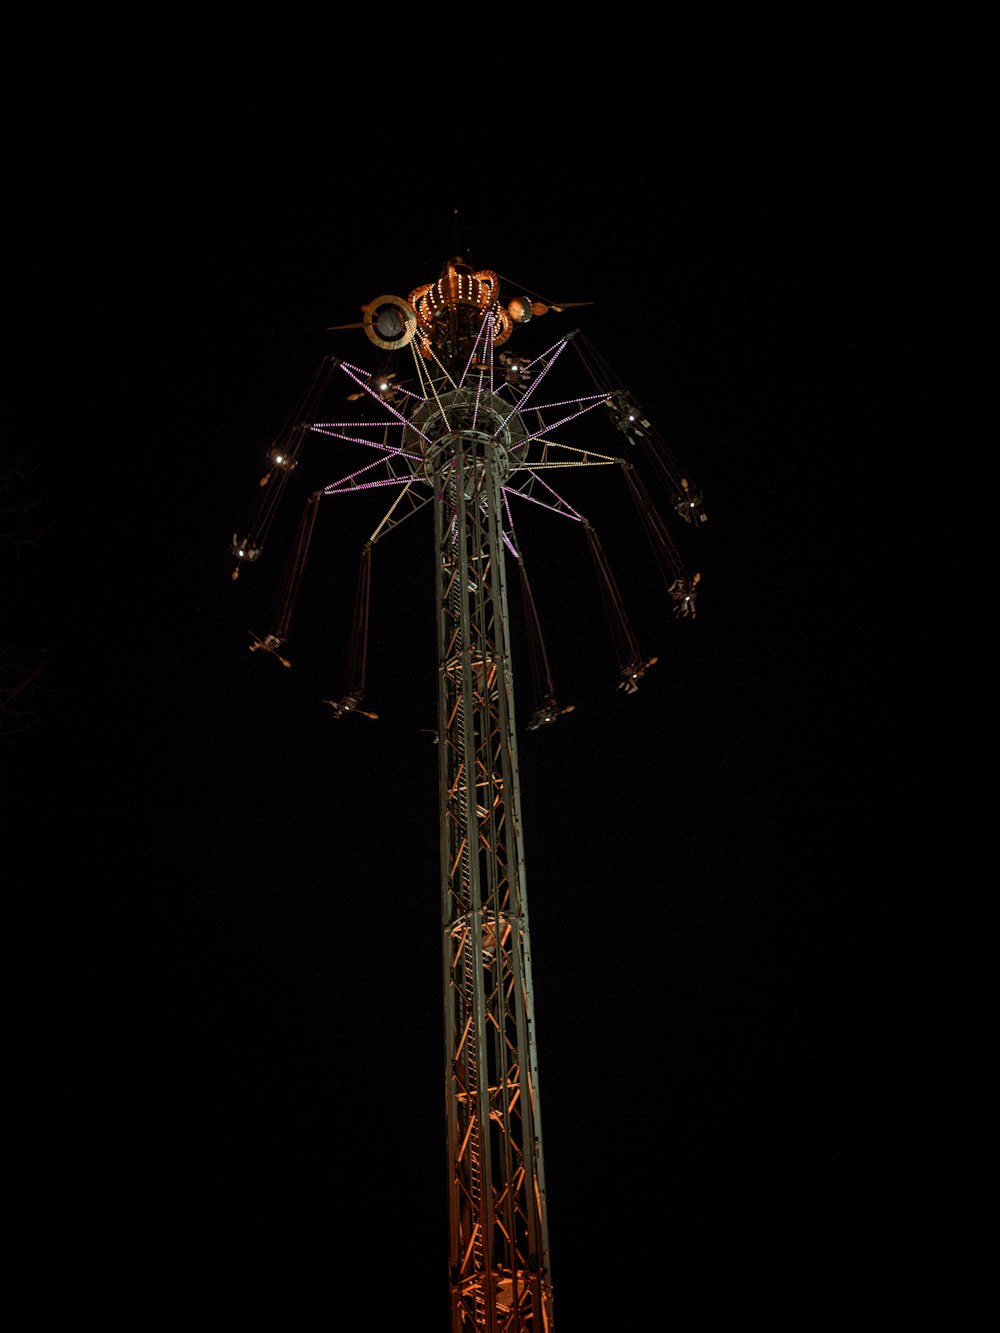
column 499, row 1250
column 465, row 444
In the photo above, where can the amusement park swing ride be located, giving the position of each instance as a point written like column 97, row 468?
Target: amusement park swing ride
column 475, row 431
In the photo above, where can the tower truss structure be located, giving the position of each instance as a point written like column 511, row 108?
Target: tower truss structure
column 478, row 434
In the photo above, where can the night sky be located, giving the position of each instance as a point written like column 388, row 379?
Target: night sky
column 222, row 905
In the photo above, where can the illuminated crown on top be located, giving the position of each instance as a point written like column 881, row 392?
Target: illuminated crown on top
column 457, row 289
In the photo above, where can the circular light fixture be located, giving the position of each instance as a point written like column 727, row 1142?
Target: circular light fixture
column 389, row 322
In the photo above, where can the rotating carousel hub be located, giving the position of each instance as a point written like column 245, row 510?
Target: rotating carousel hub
column 465, row 422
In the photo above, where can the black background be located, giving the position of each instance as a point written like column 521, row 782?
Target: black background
column 223, row 905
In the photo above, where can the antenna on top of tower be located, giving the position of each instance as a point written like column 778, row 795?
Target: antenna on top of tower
column 460, row 250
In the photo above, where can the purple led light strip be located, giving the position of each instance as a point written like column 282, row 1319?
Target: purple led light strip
column 561, row 507
column 392, row 449
column 363, row 380
column 485, row 329
column 553, row 355
column 349, row 481
column 545, row 429
column 349, row 484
